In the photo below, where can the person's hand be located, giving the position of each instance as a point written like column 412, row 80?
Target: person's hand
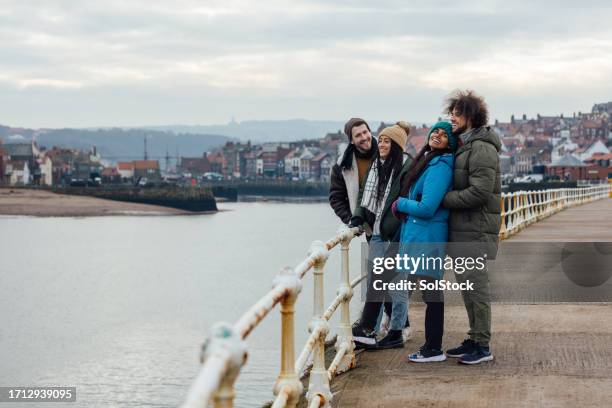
column 396, row 213
column 357, row 222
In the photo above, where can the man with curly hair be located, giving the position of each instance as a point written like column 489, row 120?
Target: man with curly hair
column 475, row 208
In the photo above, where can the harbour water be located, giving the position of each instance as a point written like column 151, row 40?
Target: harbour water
column 119, row 306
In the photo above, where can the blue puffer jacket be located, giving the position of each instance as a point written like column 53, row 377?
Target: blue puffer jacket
column 424, row 233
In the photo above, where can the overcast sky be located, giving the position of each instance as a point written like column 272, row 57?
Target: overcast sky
column 144, row 62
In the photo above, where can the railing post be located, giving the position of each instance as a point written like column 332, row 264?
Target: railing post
column 521, row 199
column 510, row 210
column 319, row 380
column 519, row 205
column 288, row 380
column 224, row 340
column 502, row 227
column 345, row 332
column 528, row 203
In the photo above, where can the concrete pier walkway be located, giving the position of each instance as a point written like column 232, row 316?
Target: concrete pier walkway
column 546, row 355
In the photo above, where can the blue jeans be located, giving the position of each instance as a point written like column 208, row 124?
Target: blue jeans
column 399, row 313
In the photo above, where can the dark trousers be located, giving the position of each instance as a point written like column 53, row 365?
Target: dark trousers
column 434, row 318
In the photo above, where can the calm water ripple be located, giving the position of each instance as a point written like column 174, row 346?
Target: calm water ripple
column 119, row 306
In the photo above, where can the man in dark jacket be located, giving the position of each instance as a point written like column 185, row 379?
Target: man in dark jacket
column 475, row 219
column 350, row 170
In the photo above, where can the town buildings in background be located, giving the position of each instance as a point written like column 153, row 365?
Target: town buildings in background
column 545, row 147
column 559, row 147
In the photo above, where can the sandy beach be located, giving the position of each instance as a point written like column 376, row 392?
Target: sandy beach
column 47, row 204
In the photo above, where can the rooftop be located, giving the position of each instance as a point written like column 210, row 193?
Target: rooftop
column 125, row 165
column 600, row 156
column 146, row 164
column 320, row 156
column 569, row 160
column 23, row 149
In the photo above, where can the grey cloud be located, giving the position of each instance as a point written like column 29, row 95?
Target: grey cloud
column 230, row 58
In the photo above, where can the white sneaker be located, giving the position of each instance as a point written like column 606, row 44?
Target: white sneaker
column 427, row 356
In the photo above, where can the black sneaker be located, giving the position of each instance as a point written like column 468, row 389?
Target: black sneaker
column 479, row 355
column 427, row 355
column 363, row 337
column 393, row 339
column 467, row 347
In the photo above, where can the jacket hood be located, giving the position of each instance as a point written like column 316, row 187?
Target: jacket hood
column 486, row 134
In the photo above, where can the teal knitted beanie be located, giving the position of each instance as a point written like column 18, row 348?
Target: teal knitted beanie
column 446, row 126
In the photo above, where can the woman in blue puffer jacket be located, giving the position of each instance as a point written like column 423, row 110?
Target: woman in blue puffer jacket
column 424, row 230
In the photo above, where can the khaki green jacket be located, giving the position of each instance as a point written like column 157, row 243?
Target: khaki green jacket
column 475, row 201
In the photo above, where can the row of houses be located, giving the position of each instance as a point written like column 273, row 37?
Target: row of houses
column 309, row 160
column 570, row 148
column 293, row 161
column 567, row 148
column 270, row 161
column 132, row 171
column 545, row 144
column 23, row 162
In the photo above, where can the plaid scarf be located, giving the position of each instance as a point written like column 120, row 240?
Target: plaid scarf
column 369, row 199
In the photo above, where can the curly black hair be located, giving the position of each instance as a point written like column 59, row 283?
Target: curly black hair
column 467, row 103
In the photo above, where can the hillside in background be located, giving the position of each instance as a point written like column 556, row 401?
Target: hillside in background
column 115, row 144
column 121, row 144
column 260, row 131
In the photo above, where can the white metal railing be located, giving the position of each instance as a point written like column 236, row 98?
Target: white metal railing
column 587, row 182
column 225, row 351
column 522, row 208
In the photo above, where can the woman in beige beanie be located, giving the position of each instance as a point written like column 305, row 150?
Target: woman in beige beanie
column 380, row 190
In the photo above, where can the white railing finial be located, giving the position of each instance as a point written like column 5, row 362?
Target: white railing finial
column 223, row 354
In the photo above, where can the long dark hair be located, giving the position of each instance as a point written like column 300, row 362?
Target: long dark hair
column 425, row 155
column 390, row 168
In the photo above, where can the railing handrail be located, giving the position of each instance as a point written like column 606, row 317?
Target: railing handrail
column 519, row 209
column 225, row 352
